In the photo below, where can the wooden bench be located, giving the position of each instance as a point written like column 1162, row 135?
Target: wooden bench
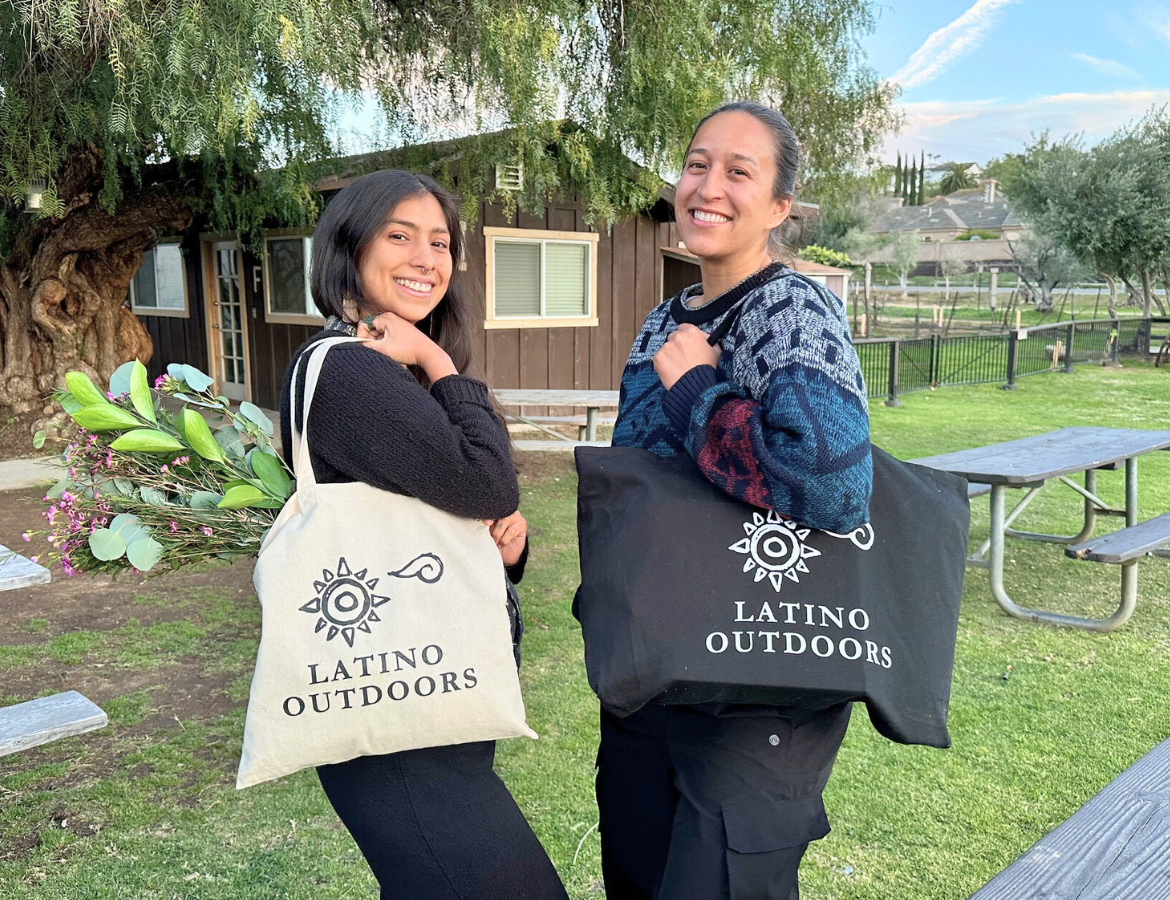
column 1128, row 544
column 1112, row 848
column 37, row 722
column 581, row 422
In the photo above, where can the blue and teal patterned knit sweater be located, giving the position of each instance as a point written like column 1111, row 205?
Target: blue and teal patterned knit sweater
column 782, row 421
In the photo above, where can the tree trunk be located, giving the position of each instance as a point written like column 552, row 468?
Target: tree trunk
column 903, row 285
column 62, row 293
column 1109, row 279
column 1147, row 293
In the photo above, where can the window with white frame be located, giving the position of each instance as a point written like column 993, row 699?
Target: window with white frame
column 286, row 280
column 541, row 278
column 159, row 286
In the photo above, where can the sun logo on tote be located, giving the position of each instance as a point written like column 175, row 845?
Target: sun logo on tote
column 345, row 602
column 775, row 548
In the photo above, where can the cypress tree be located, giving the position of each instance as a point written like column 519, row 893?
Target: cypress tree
column 913, row 195
column 922, row 179
column 898, row 176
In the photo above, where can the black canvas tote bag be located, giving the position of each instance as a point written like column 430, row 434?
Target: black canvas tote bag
column 691, row 596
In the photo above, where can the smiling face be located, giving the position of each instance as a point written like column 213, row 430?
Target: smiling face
column 406, row 267
column 724, row 199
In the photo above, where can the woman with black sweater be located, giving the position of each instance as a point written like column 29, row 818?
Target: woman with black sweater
column 397, row 412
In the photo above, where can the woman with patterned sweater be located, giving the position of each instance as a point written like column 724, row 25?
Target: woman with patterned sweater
column 720, row 801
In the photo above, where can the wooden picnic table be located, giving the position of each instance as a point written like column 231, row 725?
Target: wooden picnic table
column 1030, row 463
column 1113, row 847
column 591, row 400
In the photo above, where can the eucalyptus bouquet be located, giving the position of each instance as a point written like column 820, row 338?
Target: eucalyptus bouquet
column 154, row 486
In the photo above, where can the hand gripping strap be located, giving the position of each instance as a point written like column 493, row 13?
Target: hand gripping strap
column 302, row 464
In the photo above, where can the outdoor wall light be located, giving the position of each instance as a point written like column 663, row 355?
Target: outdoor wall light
column 36, row 190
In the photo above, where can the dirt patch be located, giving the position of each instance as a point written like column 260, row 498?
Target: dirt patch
column 16, row 434
column 180, row 691
column 542, row 466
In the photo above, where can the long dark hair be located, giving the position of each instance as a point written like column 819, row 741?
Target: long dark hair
column 353, row 218
column 786, row 155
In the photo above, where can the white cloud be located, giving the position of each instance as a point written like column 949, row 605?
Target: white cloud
column 978, row 130
column 949, row 43
column 1110, row 68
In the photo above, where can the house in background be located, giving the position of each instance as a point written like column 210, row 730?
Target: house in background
column 973, row 226
column 562, row 301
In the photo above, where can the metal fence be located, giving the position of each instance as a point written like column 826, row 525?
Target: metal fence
column 893, row 366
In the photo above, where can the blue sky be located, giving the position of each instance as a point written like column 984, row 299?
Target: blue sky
column 979, row 77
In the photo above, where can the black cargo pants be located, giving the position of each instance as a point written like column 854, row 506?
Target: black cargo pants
column 697, row 806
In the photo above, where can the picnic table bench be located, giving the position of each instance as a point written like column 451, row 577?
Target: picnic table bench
column 591, row 400
column 36, row 722
column 1029, row 464
column 1114, row 847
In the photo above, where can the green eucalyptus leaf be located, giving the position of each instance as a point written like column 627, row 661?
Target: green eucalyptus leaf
column 229, row 440
column 104, row 418
column 140, row 394
column 39, row 440
column 194, row 428
column 84, row 390
column 205, row 500
column 271, row 474
column 106, row 544
column 256, row 416
column 242, row 496
column 55, row 492
column 120, row 380
column 152, row 496
column 124, row 486
column 143, row 553
column 196, row 401
column 196, row 380
column 146, row 440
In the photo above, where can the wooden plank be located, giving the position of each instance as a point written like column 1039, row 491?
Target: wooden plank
column 1113, row 847
column 17, row 572
column 977, row 490
column 503, row 357
column 1036, row 459
column 1126, row 543
column 538, row 397
column 562, row 361
column 625, row 310
column 37, row 722
column 600, row 338
column 553, row 446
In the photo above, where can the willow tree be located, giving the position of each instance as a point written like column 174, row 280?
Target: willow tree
column 134, row 117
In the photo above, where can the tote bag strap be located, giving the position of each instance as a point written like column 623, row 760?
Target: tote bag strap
column 312, row 359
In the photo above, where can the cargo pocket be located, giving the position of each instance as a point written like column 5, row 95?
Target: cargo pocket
column 765, row 842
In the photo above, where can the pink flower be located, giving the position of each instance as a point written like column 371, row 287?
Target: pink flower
column 163, row 470
column 34, row 559
column 207, row 531
column 26, row 537
column 181, row 461
column 174, row 526
column 69, row 570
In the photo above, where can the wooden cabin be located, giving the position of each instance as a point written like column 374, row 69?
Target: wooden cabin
column 562, row 301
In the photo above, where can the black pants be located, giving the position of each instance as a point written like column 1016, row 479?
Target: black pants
column 438, row 824
column 696, row 806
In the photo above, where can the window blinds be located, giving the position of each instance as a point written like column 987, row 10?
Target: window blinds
column 517, row 278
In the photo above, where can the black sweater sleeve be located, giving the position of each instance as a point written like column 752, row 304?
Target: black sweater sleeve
column 371, row 421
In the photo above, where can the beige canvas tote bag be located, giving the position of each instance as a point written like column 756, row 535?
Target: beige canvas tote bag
column 385, row 626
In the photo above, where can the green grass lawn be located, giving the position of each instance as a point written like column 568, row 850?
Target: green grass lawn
column 1040, row 718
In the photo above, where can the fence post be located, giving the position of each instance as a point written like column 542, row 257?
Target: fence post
column 892, row 399
column 932, row 372
column 1013, row 349
column 1115, row 357
column 1068, row 346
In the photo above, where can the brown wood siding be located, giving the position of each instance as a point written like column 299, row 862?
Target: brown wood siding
column 271, row 345
column 629, row 286
column 678, row 274
column 175, row 339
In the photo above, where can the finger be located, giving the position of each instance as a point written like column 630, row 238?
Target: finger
column 514, row 532
column 498, row 529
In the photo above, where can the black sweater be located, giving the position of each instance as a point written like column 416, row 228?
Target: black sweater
column 371, row 421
